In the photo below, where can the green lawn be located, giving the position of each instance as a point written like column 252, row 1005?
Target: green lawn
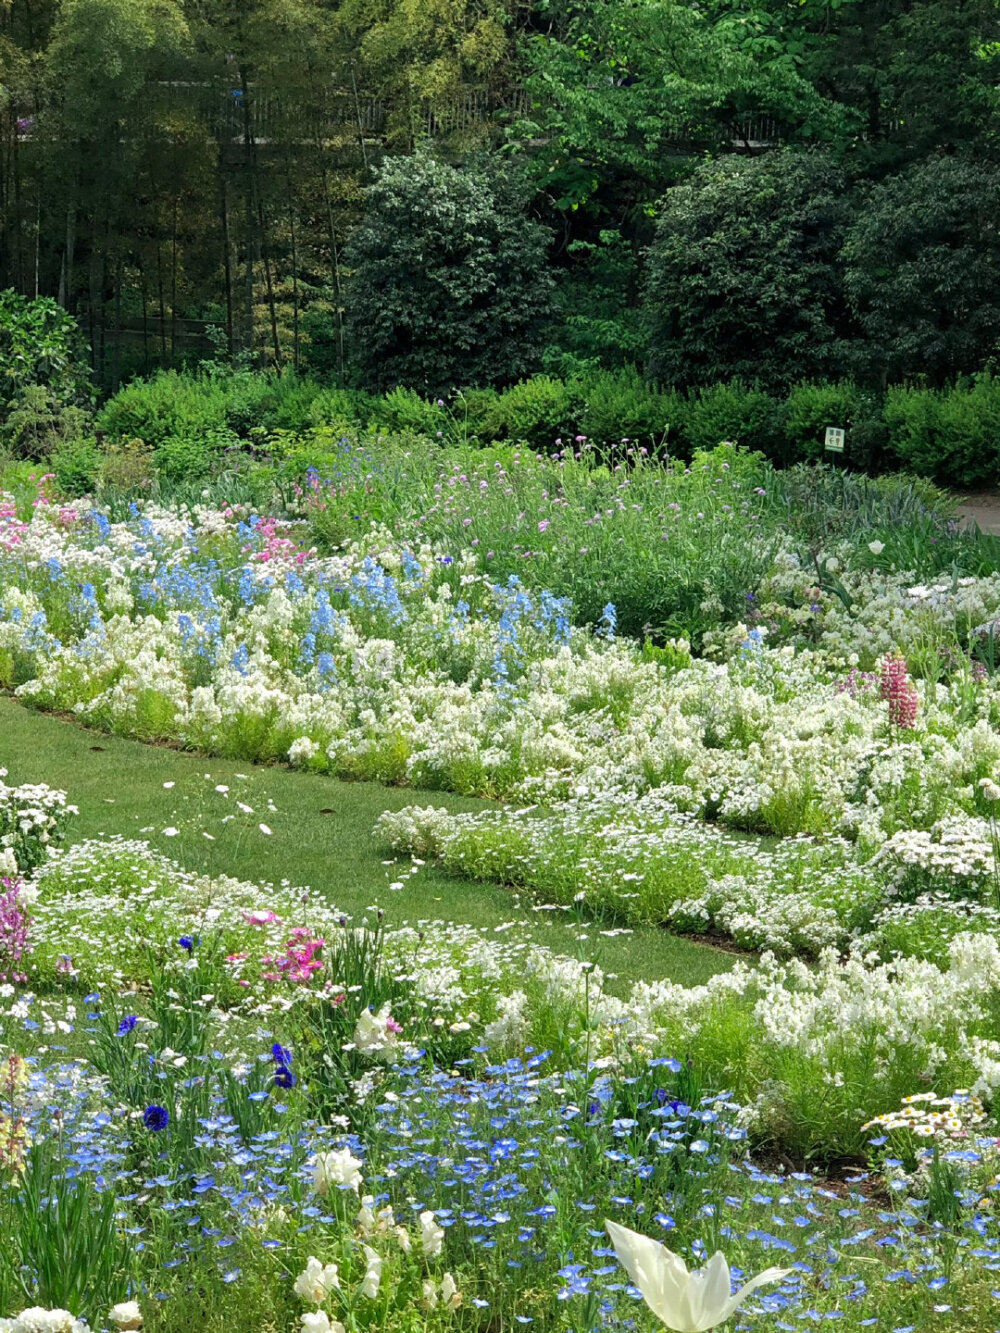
column 320, row 836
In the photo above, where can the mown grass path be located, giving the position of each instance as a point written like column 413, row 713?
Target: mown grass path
column 320, row 836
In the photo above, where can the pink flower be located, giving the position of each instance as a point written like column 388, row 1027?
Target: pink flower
column 262, row 917
column 899, row 692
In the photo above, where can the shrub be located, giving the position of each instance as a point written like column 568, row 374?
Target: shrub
column 449, row 284
column 167, row 404
column 743, row 275
column 738, row 413
column 952, row 435
column 193, row 455
column 922, row 270
column 538, row 411
column 76, row 464
column 404, row 410
column 44, row 373
column 621, row 405
column 344, row 409
column 810, row 408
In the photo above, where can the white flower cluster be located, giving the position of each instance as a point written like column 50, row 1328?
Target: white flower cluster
column 37, row 1320
column 32, row 817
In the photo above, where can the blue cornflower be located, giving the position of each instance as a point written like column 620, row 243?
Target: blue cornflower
column 283, row 1077
column 187, row 942
column 156, row 1118
column 126, row 1025
column 282, row 1055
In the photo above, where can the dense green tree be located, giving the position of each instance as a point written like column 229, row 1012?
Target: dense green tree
column 626, row 95
column 743, row 274
column 922, row 271
column 449, row 285
column 910, row 76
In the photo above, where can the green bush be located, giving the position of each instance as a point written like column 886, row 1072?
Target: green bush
column 191, row 456
column 622, row 405
column 922, row 271
column 405, row 410
column 539, row 411
column 738, row 413
column 743, row 276
column 343, row 409
column 76, row 465
column 952, row 435
column 174, row 403
column 44, row 374
column 166, row 405
column 449, row 282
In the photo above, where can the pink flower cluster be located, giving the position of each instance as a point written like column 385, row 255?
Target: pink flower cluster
column 898, row 691
column 277, row 549
column 14, row 927
column 299, row 962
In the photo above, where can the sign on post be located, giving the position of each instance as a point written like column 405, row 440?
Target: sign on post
column 834, row 439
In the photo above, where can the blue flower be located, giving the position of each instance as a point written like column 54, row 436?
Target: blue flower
column 156, row 1118
column 186, row 942
column 126, row 1025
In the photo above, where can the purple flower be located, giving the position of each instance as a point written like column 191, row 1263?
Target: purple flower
column 126, row 1025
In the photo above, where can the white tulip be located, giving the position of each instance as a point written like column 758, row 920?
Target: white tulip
column 431, row 1235
column 316, row 1281
column 340, row 1168
column 373, row 1273
column 876, row 548
column 685, row 1302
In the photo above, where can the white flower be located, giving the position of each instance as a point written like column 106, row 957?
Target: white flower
column 318, row 1321
column 339, row 1167
column 38, row 1320
column 876, row 548
column 451, row 1297
column 989, row 789
column 431, row 1235
column 685, row 1302
column 126, row 1315
column 376, row 1034
column 365, row 1220
column 170, row 832
column 316, row 1281
column 373, row 1273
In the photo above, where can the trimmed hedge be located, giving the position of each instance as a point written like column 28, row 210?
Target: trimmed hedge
column 951, row 435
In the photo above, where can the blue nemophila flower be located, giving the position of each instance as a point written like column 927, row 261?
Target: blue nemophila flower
column 126, row 1025
column 156, row 1118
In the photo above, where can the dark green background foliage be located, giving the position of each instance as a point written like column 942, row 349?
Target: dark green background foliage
column 449, row 285
column 746, row 202
column 44, row 373
column 743, row 275
column 923, row 269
